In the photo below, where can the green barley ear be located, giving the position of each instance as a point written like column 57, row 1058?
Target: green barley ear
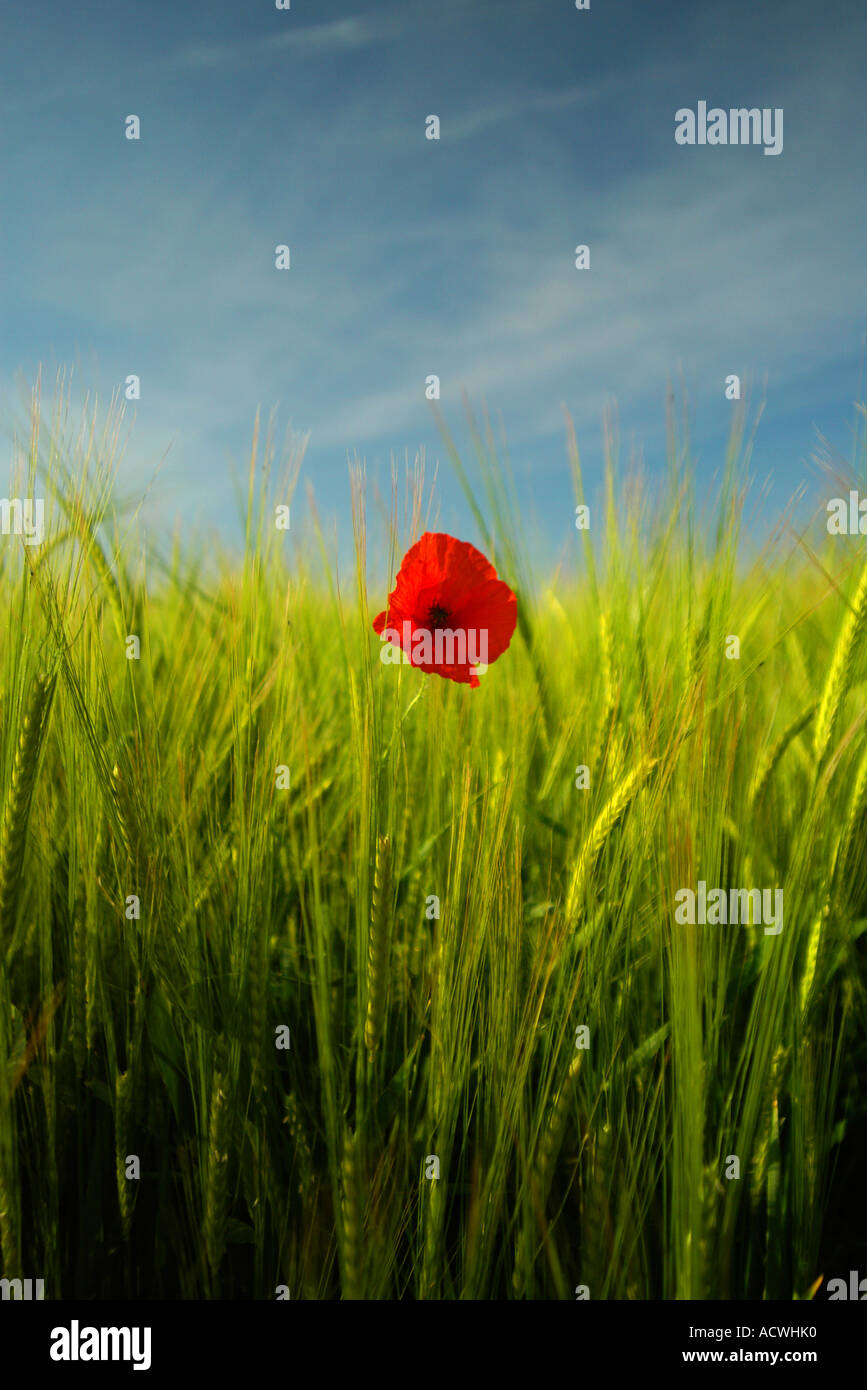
column 120, row 797
column 612, row 812
column 712, row 1196
column 552, row 1139
column 848, row 876
column 378, row 943
column 432, row 1217
column 766, row 767
column 759, row 1170
column 775, row 1201
column 811, row 958
column 840, row 673
column 543, row 1168
column 16, row 812
column 122, row 1102
column 352, row 1206
column 217, row 1184
column 210, row 884
column 298, row 1134
column 597, row 1230
column 10, row 1215
column 10, row 1178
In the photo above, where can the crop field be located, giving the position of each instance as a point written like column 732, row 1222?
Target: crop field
column 325, row 976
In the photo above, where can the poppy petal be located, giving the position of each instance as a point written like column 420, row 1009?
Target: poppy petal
column 447, row 586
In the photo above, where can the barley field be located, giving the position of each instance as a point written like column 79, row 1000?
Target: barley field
column 323, row 977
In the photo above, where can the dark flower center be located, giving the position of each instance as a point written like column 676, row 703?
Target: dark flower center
column 437, row 616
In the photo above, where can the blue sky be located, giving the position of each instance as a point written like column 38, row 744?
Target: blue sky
column 412, row 257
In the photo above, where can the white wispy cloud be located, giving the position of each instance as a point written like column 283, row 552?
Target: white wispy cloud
column 330, row 36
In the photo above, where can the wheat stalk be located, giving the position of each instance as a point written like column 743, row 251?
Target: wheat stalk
column 16, row 812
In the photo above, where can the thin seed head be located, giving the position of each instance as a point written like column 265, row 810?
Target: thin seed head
column 16, row 811
column 842, row 666
column 378, row 944
column 614, row 809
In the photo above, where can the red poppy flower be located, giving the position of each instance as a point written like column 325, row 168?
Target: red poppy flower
column 448, row 610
